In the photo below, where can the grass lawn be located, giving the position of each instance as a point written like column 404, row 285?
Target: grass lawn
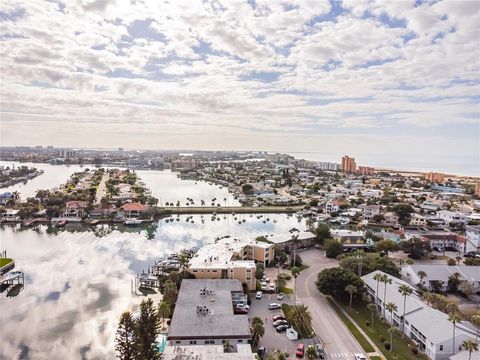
column 287, row 291
column 375, row 358
column 5, row 261
column 360, row 313
column 360, row 338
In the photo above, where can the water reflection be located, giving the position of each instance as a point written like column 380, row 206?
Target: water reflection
column 78, row 279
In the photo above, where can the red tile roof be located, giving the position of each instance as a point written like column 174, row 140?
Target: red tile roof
column 134, row 207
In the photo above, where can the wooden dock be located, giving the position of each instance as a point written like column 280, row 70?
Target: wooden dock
column 165, row 210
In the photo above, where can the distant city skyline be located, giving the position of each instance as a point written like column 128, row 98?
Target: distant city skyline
column 393, row 84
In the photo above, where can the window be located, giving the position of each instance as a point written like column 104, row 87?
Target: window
column 178, row 342
column 193, row 342
column 240, row 341
column 194, row 270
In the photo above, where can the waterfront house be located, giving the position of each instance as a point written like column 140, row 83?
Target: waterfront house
column 75, row 209
column 472, row 234
column 132, row 210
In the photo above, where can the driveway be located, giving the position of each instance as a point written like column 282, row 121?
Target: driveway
column 339, row 343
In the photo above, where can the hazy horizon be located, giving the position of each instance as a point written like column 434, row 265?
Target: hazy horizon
column 394, row 84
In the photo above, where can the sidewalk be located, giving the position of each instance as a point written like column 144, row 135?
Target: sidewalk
column 377, row 350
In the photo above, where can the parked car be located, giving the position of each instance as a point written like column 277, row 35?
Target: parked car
column 278, row 317
column 282, row 328
column 472, row 254
column 264, row 287
column 280, row 296
column 300, row 350
column 259, row 295
column 274, row 306
column 280, row 322
column 285, row 265
column 261, row 352
column 271, row 287
column 359, row 356
column 267, row 280
column 242, row 308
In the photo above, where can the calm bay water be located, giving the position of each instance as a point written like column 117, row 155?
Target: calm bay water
column 78, row 278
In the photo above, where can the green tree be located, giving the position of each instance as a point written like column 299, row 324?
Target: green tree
column 405, row 290
column 333, row 248
column 170, row 292
column 259, row 271
column 323, row 232
column 333, row 281
column 392, row 330
column 164, row 310
column 422, row 275
column 227, row 346
column 416, row 248
column 281, row 282
column 147, row 328
column 377, row 277
column 125, row 343
column 403, row 212
column 386, row 246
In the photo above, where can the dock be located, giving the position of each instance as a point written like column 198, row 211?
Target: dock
column 174, row 210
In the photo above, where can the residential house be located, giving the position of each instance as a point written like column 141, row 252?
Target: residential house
column 370, row 212
column 132, row 210
column 7, row 198
column 451, row 217
column 75, row 209
column 418, row 220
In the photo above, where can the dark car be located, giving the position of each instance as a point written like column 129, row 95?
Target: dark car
column 261, row 352
column 472, row 254
column 282, row 328
column 280, row 322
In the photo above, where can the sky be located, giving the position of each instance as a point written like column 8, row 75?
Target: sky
column 392, row 83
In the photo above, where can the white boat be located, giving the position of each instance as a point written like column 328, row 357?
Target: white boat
column 132, row 222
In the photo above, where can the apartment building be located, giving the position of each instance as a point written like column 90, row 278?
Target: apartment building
column 204, row 315
column 348, row 165
column 434, row 177
column 429, row 328
column 452, row 216
column 418, row 220
column 437, row 275
column 370, row 212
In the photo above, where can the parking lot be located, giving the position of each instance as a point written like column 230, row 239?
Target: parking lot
column 273, row 340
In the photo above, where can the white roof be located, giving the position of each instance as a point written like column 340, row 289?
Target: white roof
column 443, row 272
column 432, row 323
column 207, row 352
column 280, row 239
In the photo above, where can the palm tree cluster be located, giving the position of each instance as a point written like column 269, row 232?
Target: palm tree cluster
column 257, row 328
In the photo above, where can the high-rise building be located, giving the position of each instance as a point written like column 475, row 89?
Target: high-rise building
column 477, row 189
column 434, row 177
column 348, row 165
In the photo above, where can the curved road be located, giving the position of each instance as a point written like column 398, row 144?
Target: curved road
column 338, row 341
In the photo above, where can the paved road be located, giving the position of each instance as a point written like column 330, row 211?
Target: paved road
column 339, row 343
column 101, row 189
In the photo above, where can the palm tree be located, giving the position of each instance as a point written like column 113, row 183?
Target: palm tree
column 391, row 307
column 302, row 317
column 311, row 352
column 458, row 258
column 386, row 280
column 391, row 331
column 372, row 307
column 227, row 347
column 422, row 275
column 351, row 289
column 454, row 318
column 470, row 346
column 404, row 290
column 451, row 307
column 257, row 328
column 377, row 277
column 475, row 319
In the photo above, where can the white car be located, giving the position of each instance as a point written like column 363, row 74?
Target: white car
column 360, row 357
column 274, row 306
column 280, row 296
column 258, row 295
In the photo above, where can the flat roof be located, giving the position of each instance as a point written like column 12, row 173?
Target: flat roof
column 219, row 322
column 283, row 238
column 207, row 352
